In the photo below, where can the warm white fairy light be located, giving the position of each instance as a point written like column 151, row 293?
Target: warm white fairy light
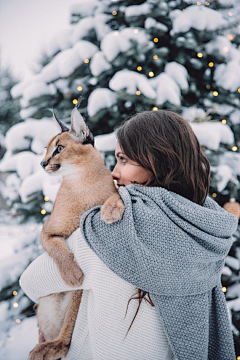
column 15, row 305
column 155, row 108
column 230, row 37
column 151, row 73
column 43, row 211
column 79, row 88
column 86, row 61
column 135, row 31
column 239, row 90
column 116, row 33
column 75, row 101
column 207, row 3
column 225, row 49
column 138, row 92
column 211, row 64
column 198, row 3
column 208, row 86
column 14, row 292
column 200, row 55
column 155, row 40
column 224, row 121
column 18, row 321
column 39, row 247
column 139, row 68
column 224, row 289
column 214, row 195
column 46, row 198
column 230, row 14
column 155, row 57
column 114, row 12
column 215, row 93
column 234, row 148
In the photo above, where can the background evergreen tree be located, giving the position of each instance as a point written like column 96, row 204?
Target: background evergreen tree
column 124, row 57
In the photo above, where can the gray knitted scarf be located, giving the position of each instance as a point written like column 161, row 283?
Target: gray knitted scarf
column 173, row 248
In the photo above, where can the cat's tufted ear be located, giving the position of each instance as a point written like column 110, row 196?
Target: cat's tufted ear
column 79, row 128
column 61, row 125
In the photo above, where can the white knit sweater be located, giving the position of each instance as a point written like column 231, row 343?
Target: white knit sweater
column 101, row 324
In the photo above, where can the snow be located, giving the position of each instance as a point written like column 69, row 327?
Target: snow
column 85, row 8
column 121, row 41
column 178, row 73
column 106, row 142
column 196, row 17
column 136, row 10
column 232, row 262
column 132, row 81
column 224, row 47
column 100, row 99
column 99, row 64
column 152, row 23
column 167, row 89
column 26, row 113
column 36, row 89
column 192, row 113
column 232, row 159
column 224, row 174
column 228, row 75
column 59, row 42
column 21, row 340
column 212, row 134
column 235, row 117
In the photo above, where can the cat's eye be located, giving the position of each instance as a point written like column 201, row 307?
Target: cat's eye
column 60, row 148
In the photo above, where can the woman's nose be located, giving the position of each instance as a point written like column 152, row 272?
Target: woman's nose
column 116, row 173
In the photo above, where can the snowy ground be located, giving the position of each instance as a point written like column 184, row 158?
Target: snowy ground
column 18, row 245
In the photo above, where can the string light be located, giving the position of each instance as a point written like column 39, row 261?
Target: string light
column 211, row 64
column 215, row 93
column 198, row 3
column 151, row 73
column 18, row 321
column 135, row 31
column 116, row 33
column 40, row 247
column 43, row 211
column 225, row 49
column 208, row 86
column 207, row 3
column 114, row 12
column 86, row 61
column 14, row 292
column 214, row 195
column 224, row 289
column 183, row 9
column 155, row 40
column 199, row 55
column 138, row 92
column 224, row 121
column 230, row 37
column 230, row 14
column 139, row 68
column 15, row 305
column 74, row 101
column 155, row 57
column 79, row 88
column 46, row 198
column 239, row 90
column 238, row 358
column 155, row 108
column 234, row 148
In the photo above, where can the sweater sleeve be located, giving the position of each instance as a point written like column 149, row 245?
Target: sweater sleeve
column 42, row 277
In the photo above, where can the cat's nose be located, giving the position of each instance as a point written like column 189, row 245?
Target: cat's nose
column 44, row 164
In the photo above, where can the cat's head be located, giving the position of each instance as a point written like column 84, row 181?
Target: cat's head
column 66, row 150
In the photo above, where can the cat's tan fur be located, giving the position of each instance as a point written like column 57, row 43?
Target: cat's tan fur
column 86, row 183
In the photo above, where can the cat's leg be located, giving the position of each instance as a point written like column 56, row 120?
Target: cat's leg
column 113, row 209
column 57, row 248
column 55, row 349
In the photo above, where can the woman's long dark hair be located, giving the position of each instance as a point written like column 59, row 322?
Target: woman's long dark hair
column 164, row 144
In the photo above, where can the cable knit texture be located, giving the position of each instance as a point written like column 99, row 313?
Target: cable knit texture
column 174, row 249
column 101, row 324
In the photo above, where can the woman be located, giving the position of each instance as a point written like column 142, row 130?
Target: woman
column 170, row 245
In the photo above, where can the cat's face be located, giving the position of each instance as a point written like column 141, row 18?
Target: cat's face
column 65, row 152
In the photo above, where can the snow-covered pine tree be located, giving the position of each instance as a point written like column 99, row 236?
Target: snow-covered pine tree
column 123, row 57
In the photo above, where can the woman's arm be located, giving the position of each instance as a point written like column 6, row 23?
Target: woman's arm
column 42, row 277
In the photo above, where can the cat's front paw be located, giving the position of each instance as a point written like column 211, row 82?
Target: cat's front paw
column 113, row 209
column 70, row 271
column 49, row 350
